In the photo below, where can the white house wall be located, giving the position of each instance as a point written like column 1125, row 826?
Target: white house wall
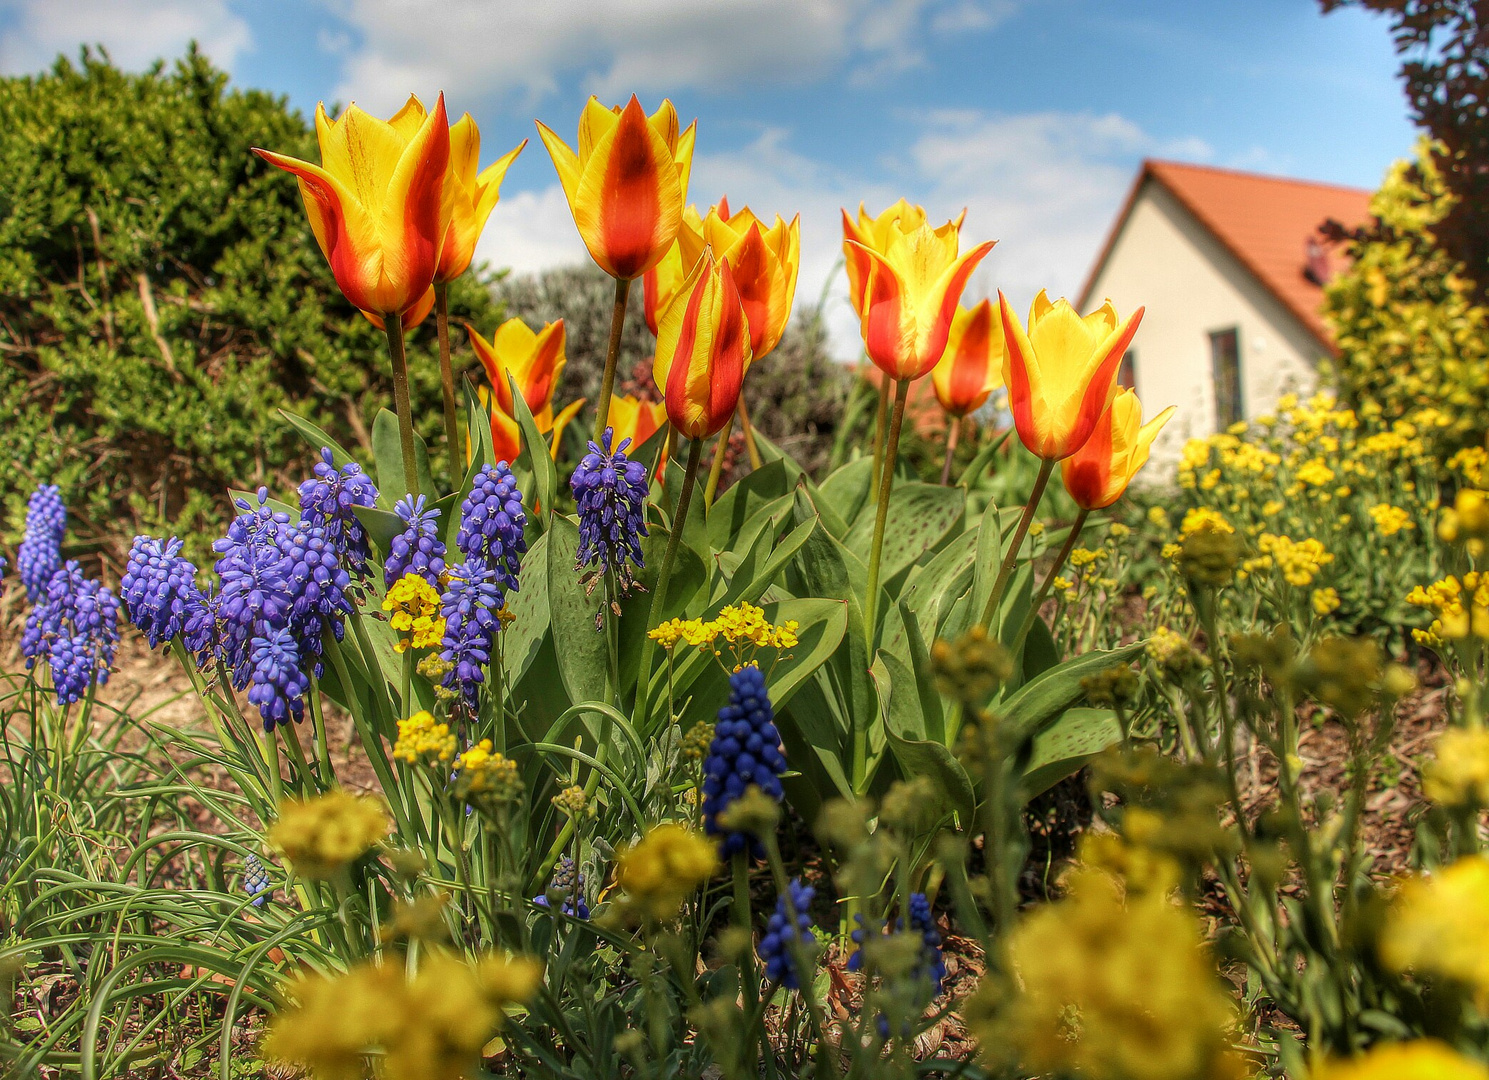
column 1165, row 260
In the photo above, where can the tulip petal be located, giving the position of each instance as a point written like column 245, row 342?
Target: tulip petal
column 416, row 212
column 565, row 161
column 628, row 206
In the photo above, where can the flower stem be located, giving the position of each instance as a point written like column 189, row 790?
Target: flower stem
column 880, row 421
column 447, row 380
column 612, row 355
column 664, row 574
column 953, row 432
column 749, row 433
column 886, row 483
column 1049, row 579
column 1006, row 570
column 271, row 753
column 749, row 979
column 716, row 470
column 393, row 326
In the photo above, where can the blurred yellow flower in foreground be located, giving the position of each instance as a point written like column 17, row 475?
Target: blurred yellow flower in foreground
column 322, row 834
column 664, row 868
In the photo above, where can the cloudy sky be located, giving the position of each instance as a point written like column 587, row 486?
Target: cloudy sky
column 1033, row 114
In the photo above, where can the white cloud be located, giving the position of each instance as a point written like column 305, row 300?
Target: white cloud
column 135, row 32
column 530, row 231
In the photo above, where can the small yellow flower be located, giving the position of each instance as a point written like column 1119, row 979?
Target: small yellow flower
column 1439, row 926
column 486, row 778
column 421, row 737
column 664, row 868
column 415, row 609
column 1157, row 515
column 1389, row 519
column 1203, row 519
column 1325, row 601
column 1082, row 557
column 1315, row 473
column 320, row 835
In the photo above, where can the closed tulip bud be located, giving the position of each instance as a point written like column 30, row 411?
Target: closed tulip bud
column 626, row 184
column 702, row 350
column 1061, row 374
column 474, row 196
column 534, row 361
column 764, row 262
column 874, row 234
column 378, row 203
column 1098, row 473
column 911, row 293
column 971, row 368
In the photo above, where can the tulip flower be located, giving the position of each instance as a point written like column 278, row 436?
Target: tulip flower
column 764, row 262
column 637, row 420
column 378, row 202
column 702, row 351
column 1098, row 473
column 412, row 317
column 661, row 284
column 1061, row 374
column 475, row 196
column 911, row 294
column 534, row 361
column 969, row 370
column 874, row 233
column 626, row 184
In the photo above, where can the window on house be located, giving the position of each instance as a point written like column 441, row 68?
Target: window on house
column 1127, row 370
column 1225, row 368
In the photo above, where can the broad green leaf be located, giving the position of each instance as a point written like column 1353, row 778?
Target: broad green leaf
column 381, row 525
column 535, row 455
column 847, row 489
column 898, row 699
column 583, row 658
column 317, row 438
column 685, row 595
column 931, row 594
column 477, row 427
column 1050, row 693
column 923, row 757
column 920, row 518
column 743, row 499
column 1066, row 745
column 1040, row 651
column 979, row 464
column 387, row 453
column 752, row 578
column 522, row 639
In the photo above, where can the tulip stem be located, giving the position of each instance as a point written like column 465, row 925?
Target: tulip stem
column 749, row 433
column 612, row 355
column 879, row 424
column 393, row 326
column 886, row 483
column 1017, row 540
column 664, row 576
column 1049, row 579
column 716, row 470
column 953, row 432
column 447, row 379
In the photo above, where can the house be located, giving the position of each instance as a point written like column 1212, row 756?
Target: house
column 1230, row 267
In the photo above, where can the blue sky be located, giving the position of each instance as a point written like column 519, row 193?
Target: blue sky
column 1033, row 115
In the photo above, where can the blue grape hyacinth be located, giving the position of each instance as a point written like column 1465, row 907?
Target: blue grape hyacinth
column 327, row 500
column 932, row 965
column 40, row 553
column 278, row 683
column 158, row 588
column 75, row 628
column 254, row 597
column 315, row 584
column 781, row 934
column 611, row 491
column 567, row 887
column 491, row 524
column 469, row 607
column 745, row 752
column 418, row 548
column 256, row 881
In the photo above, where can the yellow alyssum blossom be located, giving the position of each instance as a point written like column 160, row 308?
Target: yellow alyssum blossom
column 422, row 737
column 1458, row 775
column 691, row 631
column 415, row 609
column 1325, row 601
column 1203, row 519
column 1299, row 561
column 1389, row 519
column 320, row 835
column 664, row 868
column 1466, row 521
column 1472, row 463
column 1453, row 619
column 487, row 776
column 738, row 624
column 1081, row 557
column 1315, row 473
column 1439, row 926
column 1421, row 1059
column 1157, row 515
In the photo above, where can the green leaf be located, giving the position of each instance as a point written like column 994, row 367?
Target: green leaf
column 979, row 464
column 898, row 697
column 1050, row 693
column 521, row 641
column 387, row 453
column 318, row 439
column 920, row 518
column 847, row 490
column 931, row 593
column 1040, row 651
column 1066, row 745
column 743, row 499
column 583, row 658
column 534, row 454
column 478, row 427
column 381, row 525
column 751, row 579
column 923, row 757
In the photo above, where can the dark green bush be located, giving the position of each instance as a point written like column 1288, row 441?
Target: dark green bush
column 161, row 298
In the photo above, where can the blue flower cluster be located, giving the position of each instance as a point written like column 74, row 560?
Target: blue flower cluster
column 469, row 607
column 326, row 502
column 610, row 490
column 567, row 887
column 418, row 548
column 781, row 933
column 256, row 881
column 745, row 752
column 158, row 588
column 75, row 627
column 277, row 681
column 929, row 971
column 491, row 523
column 40, row 553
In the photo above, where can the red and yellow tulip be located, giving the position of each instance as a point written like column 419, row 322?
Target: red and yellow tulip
column 703, row 349
column 661, row 284
column 634, row 419
column 412, row 317
column 911, row 292
column 626, row 183
column 971, row 368
column 534, row 361
column 764, row 262
column 874, row 233
column 474, row 197
column 378, row 202
column 1098, row 473
column 1061, row 373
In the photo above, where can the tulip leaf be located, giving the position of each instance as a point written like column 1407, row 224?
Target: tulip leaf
column 920, row 518
column 387, row 453
column 1066, row 745
column 535, row 455
column 318, row 439
column 751, row 579
column 477, row 427
column 1047, row 695
column 583, row 658
column 740, row 502
column 940, row 582
column 521, row 640
column 847, row 490
column 381, row 525
column 925, row 757
column 970, row 475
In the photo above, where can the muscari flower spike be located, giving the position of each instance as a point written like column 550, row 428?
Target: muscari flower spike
column 930, row 968
column 277, row 684
column 469, row 608
column 567, row 888
column 745, row 752
column 491, row 524
column 611, row 491
column 76, row 628
column 326, row 502
column 316, row 585
column 418, row 548
column 158, row 588
column 775, row 947
column 256, row 881
column 40, row 553
column 255, row 593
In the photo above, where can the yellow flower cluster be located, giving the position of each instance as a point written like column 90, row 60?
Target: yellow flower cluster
column 1472, row 464
column 421, row 736
column 1325, row 601
column 1083, row 557
column 1439, row 926
column 1458, row 775
column 1109, row 991
column 1452, row 619
column 1298, row 560
column 1203, row 519
column 1423, row 1059
column 320, row 835
column 1315, row 473
column 487, row 776
column 1389, row 519
column 415, row 613
column 663, row 869
column 428, row 1026
column 1467, row 521
column 743, row 627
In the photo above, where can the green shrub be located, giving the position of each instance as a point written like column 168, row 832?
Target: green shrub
column 161, row 298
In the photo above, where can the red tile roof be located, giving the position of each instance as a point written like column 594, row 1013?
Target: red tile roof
column 1266, row 222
